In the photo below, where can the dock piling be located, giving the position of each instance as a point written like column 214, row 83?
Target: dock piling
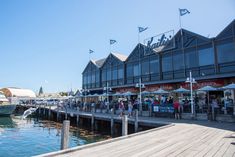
column 65, row 135
column 112, row 121
column 92, row 119
column 124, row 125
column 136, row 121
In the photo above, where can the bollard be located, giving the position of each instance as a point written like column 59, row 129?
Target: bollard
column 124, row 125
column 112, row 121
column 136, row 121
column 65, row 135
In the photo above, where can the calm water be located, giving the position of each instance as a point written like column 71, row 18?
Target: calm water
column 32, row 137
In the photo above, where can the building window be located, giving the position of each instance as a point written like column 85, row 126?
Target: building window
column 166, row 62
column 136, row 69
column 129, row 71
column 191, row 59
column 120, row 73
column 114, row 75
column 206, row 56
column 226, row 52
column 93, row 77
column 178, row 61
column 154, row 65
column 145, row 67
column 97, row 77
column 109, row 74
column 104, row 78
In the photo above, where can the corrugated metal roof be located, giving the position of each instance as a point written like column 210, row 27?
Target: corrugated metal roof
column 120, row 56
column 100, row 62
column 18, row 92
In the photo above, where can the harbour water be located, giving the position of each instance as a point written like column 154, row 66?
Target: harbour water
column 33, row 136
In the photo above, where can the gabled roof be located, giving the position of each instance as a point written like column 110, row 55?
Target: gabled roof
column 121, row 57
column 100, row 62
column 227, row 30
column 133, row 51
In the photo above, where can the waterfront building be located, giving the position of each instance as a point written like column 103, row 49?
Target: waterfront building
column 167, row 64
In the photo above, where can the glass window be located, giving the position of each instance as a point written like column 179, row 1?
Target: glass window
column 154, row 65
column 93, row 77
column 114, row 75
column 129, row 71
column 104, row 78
column 120, row 73
column 166, row 62
column 145, row 68
column 97, row 77
column 206, row 56
column 191, row 59
column 136, row 70
column 109, row 74
column 226, row 52
column 178, row 60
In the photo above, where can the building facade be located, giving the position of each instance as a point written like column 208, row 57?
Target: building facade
column 211, row 61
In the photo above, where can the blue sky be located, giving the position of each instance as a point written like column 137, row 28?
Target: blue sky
column 46, row 42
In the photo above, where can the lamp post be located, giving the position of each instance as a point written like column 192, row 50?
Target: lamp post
column 107, row 89
column 191, row 80
column 140, row 85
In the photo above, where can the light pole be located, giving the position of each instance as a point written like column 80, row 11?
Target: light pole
column 140, row 85
column 107, row 89
column 191, row 80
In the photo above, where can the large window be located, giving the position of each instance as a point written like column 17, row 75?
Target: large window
column 154, row 65
column 145, row 67
column 114, row 75
column 97, row 76
column 226, row 52
column 104, row 78
column 136, row 69
column 120, row 73
column 178, row 61
column 191, row 59
column 129, row 70
column 93, row 77
column 206, row 56
column 109, row 74
column 166, row 62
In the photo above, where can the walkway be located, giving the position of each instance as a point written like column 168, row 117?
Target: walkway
column 181, row 138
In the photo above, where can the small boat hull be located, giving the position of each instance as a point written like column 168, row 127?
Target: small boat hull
column 7, row 110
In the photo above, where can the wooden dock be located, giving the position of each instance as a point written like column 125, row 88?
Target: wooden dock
column 177, row 138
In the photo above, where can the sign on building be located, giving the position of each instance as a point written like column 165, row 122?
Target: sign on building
column 160, row 41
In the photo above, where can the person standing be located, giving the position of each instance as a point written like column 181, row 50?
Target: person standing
column 130, row 107
column 121, row 108
column 176, row 105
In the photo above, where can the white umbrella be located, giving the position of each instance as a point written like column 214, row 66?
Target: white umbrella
column 160, row 91
column 181, row 90
column 117, row 94
column 128, row 93
column 207, row 89
column 230, row 86
column 145, row 92
column 95, row 95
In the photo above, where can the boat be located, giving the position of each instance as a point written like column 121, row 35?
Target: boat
column 6, row 107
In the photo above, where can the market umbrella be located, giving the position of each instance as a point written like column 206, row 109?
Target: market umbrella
column 230, row 86
column 207, row 89
column 145, row 93
column 160, row 91
column 181, row 90
column 128, row 93
column 95, row 95
column 117, row 94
